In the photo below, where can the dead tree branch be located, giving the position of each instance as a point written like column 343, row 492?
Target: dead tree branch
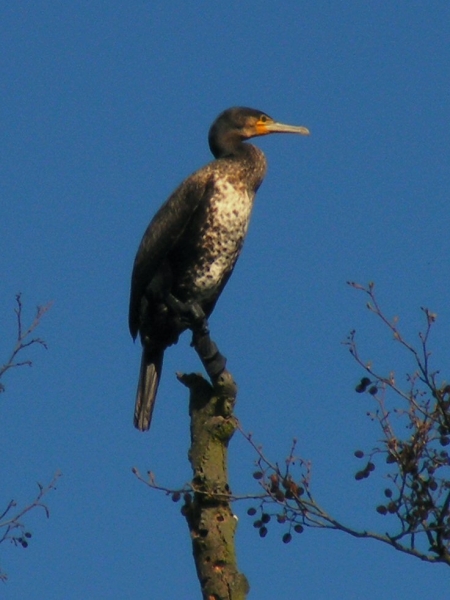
column 415, row 432
column 24, row 339
column 207, row 498
column 12, row 527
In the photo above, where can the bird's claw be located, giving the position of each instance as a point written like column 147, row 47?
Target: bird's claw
column 189, row 312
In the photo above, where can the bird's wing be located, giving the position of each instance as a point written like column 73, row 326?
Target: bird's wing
column 162, row 233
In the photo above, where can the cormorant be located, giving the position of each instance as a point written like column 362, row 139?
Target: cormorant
column 189, row 250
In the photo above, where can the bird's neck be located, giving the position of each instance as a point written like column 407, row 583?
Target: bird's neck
column 249, row 163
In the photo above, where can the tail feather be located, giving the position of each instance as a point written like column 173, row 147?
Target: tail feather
column 150, row 373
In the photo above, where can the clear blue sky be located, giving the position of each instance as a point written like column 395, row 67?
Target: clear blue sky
column 105, row 108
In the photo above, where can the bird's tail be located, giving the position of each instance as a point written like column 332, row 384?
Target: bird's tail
column 151, row 365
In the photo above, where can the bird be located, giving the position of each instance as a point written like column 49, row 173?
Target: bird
column 191, row 245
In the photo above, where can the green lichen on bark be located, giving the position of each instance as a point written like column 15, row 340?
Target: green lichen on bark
column 211, row 522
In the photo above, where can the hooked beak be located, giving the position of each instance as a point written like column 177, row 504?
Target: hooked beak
column 274, row 127
column 282, row 128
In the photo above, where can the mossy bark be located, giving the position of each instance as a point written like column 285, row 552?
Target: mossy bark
column 208, row 511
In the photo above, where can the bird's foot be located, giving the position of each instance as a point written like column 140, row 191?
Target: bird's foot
column 193, row 316
column 190, row 313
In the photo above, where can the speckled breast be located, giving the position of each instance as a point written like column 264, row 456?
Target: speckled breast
column 216, row 236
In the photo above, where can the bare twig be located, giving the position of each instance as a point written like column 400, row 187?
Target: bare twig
column 23, row 340
column 12, row 528
column 414, row 437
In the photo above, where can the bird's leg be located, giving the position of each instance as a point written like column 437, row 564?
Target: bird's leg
column 189, row 312
column 213, row 361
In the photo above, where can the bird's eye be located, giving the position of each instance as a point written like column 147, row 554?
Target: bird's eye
column 263, row 118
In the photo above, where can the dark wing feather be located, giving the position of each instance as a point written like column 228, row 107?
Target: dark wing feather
column 162, row 233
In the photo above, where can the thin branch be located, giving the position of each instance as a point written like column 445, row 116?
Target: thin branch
column 23, row 335
column 12, row 528
column 14, row 522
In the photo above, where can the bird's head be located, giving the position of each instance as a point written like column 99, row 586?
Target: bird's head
column 237, row 124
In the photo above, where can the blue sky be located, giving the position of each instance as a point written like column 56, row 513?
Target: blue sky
column 105, row 109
